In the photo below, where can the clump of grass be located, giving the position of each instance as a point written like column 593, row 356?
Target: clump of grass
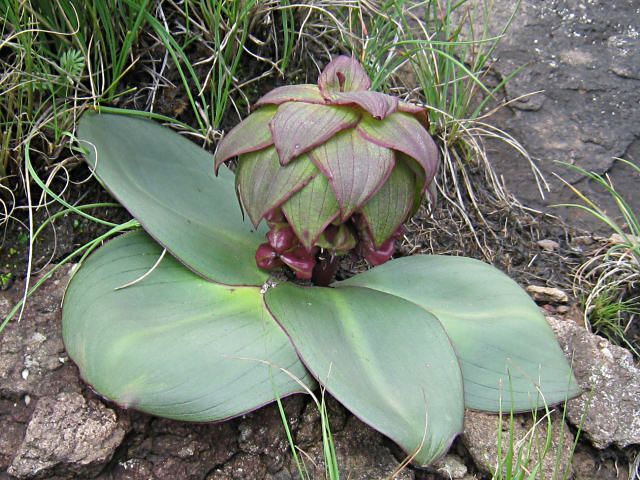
column 609, row 281
column 525, row 458
column 65, row 56
column 330, row 458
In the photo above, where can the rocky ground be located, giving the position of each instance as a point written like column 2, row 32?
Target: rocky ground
column 55, row 427
column 576, row 99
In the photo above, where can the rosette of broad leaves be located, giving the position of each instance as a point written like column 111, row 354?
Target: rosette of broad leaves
column 333, row 166
column 176, row 320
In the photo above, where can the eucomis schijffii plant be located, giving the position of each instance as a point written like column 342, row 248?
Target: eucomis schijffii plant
column 177, row 320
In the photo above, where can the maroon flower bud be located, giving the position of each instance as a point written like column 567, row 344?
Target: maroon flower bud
column 301, row 262
column 275, row 217
column 267, row 257
column 282, row 238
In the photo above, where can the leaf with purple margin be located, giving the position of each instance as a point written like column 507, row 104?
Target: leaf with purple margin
column 390, row 207
column 509, row 355
column 263, row 183
column 298, row 127
column 385, row 359
column 292, row 93
column 167, row 183
column 420, row 180
column 311, row 209
column 250, row 135
column 343, row 74
column 379, row 105
column 403, row 132
column 355, row 167
column 172, row 343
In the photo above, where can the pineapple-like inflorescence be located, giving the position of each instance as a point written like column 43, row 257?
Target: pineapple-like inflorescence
column 330, row 167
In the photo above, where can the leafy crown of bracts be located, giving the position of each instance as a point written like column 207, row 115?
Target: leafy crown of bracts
column 332, row 165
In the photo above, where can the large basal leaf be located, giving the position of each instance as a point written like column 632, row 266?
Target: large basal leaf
column 173, row 344
column 387, row 360
column 264, row 184
column 311, row 209
column 167, row 183
column 298, row 127
column 251, row 134
column 403, row 132
column 506, row 349
column 390, row 207
column 356, row 168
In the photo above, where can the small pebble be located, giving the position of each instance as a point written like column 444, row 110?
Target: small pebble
column 583, row 241
column 548, row 245
column 547, row 294
column 617, row 239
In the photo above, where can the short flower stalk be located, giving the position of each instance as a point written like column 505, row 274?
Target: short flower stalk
column 331, row 167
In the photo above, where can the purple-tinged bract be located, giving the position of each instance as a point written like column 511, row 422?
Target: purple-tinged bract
column 330, row 167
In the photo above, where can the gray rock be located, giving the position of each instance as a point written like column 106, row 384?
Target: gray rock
column 609, row 408
column 33, row 362
column 32, row 357
column 451, row 467
column 547, row 294
column 548, row 245
column 480, row 436
column 69, row 434
column 583, row 57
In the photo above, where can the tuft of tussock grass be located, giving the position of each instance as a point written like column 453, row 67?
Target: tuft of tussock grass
column 609, row 281
column 65, row 56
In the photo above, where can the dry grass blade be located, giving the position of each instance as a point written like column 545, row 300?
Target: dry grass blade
column 609, row 281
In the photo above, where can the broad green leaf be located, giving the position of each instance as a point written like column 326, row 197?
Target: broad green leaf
column 379, row 105
column 248, row 136
column 173, row 344
column 506, row 349
column 167, row 183
column 299, row 127
column 292, row 93
column 390, row 207
column 404, row 132
column 311, row 209
column 356, row 168
column 263, row 183
column 343, row 74
column 385, row 359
